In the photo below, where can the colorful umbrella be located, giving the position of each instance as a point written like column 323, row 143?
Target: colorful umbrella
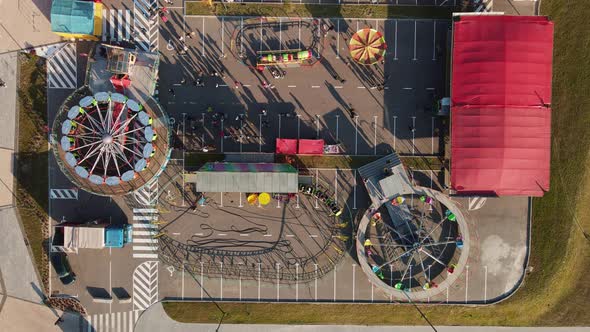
column 264, row 199
column 367, row 46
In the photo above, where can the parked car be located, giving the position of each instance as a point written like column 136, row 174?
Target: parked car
column 59, row 260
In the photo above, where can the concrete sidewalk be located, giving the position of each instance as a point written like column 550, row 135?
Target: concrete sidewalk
column 155, row 319
column 24, row 316
column 17, row 272
column 25, row 23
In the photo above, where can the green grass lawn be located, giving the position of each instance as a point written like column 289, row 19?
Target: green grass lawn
column 289, row 9
column 31, row 171
column 556, row 292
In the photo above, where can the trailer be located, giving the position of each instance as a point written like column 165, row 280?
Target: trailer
column 69, row 237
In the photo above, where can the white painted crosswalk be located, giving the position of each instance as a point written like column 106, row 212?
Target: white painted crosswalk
column 116, row 24
column 148, row 194
column 145, row 285
column 63, row 193
column 62, row 68
column 145, row 246
column 114, row 321
column 146, row 29
column 483, row 5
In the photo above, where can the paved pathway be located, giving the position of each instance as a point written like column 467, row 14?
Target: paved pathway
column 155, row 319
column 25, row 23
column 24, row 316
column 17, row 271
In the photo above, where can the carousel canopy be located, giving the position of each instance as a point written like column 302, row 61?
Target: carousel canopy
column 367, row 46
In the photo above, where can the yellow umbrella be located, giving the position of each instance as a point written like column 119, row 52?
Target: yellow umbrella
column 264, row 199
column 252, row 198
column 367, row 46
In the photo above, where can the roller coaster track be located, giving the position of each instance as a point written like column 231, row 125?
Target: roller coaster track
column 237, row 48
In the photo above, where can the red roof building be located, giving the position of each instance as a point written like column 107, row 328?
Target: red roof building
column 500, row 105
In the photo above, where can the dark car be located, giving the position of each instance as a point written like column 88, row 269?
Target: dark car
column 59, row 260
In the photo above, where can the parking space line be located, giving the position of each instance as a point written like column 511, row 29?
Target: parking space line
column 291, row 86
column 316, row 281
column 338, row 39
column 413, row 135
column 299, row 35
column 280, row 34
column 336, row 186
column 353, row 281
column 259, row 132
column 278, row 278
column 395, row 43
column 485, row 285
column 222, row 37
column 296, row 282
column 432, row 134
column 375, row 136
column 415, row 24
column 202, row 281
column 338, row 87
column 316, row 188
column 356, row 134
column 334, row 285
column 203, row 38
column 241, row 40
column 318, row 44
column 466, row 281
column 279, row 130
column 354, row 192
column 222, row 138
column 434, row 42
column 261, row 34
column 337, row 117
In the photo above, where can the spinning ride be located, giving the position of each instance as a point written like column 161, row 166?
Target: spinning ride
column 413, row 245
column 110, row 144
column 367, row 46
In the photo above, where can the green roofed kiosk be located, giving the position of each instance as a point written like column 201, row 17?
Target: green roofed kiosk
column 245, row 177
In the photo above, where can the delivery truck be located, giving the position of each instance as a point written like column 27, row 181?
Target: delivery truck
column 69, row 237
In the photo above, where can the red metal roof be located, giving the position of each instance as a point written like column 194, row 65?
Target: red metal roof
column 286, row 146
column 500, row 115
column 311, row 146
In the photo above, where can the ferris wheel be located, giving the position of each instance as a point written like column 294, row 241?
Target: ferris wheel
column 108, row 138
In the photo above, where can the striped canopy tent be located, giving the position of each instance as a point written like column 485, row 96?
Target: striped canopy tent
column 367, row 46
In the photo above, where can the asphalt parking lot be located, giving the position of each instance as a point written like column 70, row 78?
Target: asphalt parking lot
column 414, row 67
column 308, row 102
